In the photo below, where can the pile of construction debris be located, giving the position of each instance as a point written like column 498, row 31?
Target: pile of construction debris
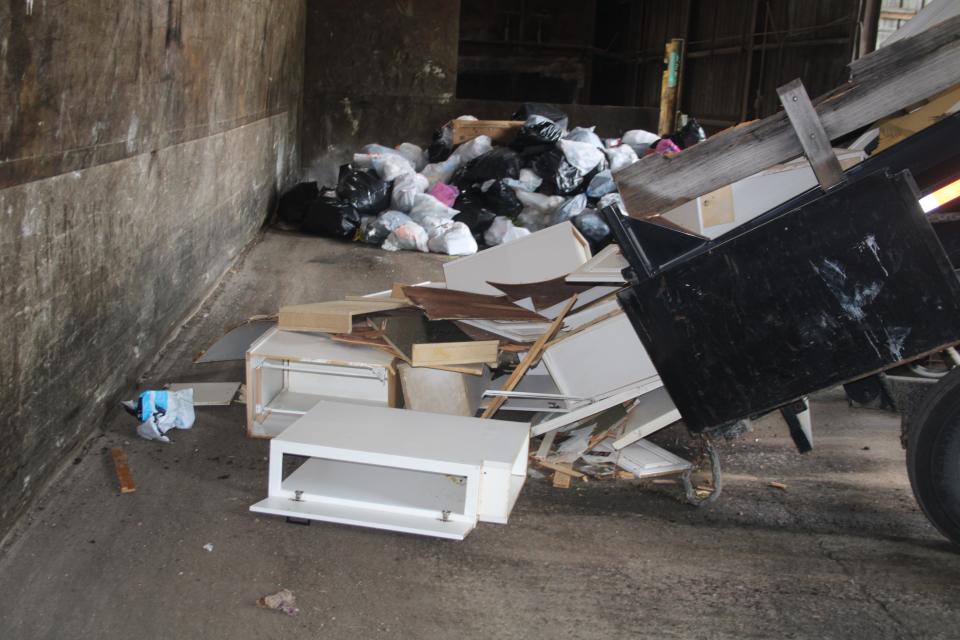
column 479, row 184
column 524, row 340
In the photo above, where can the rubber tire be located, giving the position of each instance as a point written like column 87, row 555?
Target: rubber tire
column 933, row 455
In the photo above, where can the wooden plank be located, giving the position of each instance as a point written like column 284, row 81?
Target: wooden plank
column 123, row 470
column 561, row 467
column 502, row 131
column 529, row 360
column 561, row 479
column 813, row 139
column 424, row 344
column 336, row 316
column 883, row 82
column 447, row 304
column 670, row 86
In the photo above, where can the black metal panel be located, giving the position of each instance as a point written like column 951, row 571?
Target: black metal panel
column 847, row 284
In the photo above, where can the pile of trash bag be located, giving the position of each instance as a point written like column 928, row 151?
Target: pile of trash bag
column 458, row 199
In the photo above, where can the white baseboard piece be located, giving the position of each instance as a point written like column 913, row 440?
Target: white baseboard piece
column 653, row 411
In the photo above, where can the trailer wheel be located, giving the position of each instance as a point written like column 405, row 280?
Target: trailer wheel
column 933, row 455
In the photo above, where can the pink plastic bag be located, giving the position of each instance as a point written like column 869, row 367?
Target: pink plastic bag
column 445, row 193
column 665, row 145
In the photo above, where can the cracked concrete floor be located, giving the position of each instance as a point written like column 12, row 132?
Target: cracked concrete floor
column 842, row 553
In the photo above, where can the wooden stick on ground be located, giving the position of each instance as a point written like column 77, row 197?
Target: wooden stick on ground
column 123, row 470
column 532, row 356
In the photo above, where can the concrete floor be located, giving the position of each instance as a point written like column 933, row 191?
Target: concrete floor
column 842, row 553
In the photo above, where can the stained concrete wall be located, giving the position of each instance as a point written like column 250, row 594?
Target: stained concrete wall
column 142, row 145
column 387, row 74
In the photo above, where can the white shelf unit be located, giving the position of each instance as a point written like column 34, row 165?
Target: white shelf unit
column 288, row 372
column 407, row 471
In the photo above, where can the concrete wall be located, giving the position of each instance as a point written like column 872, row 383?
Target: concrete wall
column 387, row 74
column 142, row 145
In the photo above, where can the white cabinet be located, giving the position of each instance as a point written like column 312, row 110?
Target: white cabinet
column 395, row 469
column 288, row 372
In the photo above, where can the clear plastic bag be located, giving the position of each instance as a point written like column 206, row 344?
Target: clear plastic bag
column 602, row 184
column 503, row 230
column 378, row 230
column 569, row 209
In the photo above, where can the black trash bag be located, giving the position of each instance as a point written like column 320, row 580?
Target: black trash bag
column 689, row 134
column 495, row 164
column 331, row 218
column 548, row 111
column 441, row 146
column 502, row 199
column 559, row 176
column 473, row 211
column 538, row 134
column 295, row 202
column 367, row 193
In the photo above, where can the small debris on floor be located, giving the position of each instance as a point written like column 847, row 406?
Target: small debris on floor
column 282, row 600
column 208, row 546
column 777, row 485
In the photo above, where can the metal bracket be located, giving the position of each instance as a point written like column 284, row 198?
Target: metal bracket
column 809, row 130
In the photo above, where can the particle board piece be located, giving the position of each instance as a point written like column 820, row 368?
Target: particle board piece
column 331, row 317
column 422, row 343
column 883, row 82
column 123, row 470
column 532, row 357
column 448, row 304
column 208, row 394
column 542, row 255
column 434, row 391
column 500, row 131
column 234, row 344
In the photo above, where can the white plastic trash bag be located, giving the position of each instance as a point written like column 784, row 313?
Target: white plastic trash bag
column 473, row 148
column 503, row 230
column 528, row 181
column 407, row 237
column 413, row 153
column 454, row 239
column 585, row 134
column 582, row 155
column 620, row 157
column 390, row 167
column 639, row 139
column 425, row 204
column 441, row 171
column 405, row 189
column 161, row 411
